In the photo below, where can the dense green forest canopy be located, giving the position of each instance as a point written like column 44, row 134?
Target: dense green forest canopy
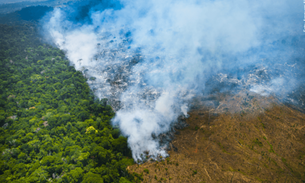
column 52, row 129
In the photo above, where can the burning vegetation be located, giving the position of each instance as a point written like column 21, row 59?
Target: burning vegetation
column 149, row 92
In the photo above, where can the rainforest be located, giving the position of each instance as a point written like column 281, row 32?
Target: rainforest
column 52, row 126
column 152, row 91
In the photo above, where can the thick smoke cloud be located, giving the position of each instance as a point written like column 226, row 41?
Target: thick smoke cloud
column 168, row 50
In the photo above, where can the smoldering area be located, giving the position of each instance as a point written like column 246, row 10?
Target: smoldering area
column 153, row 60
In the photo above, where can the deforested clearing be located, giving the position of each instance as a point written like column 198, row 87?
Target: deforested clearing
column 252, row 146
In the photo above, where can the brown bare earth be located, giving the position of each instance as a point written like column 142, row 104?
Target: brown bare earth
column 263, row 141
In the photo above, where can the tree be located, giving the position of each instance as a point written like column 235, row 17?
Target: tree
column 92, row 178
column 45, row 109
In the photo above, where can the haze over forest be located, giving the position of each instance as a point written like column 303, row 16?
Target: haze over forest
column 16, row 1
column 131, row 91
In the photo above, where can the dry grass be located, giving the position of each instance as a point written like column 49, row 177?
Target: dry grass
column 260, row 145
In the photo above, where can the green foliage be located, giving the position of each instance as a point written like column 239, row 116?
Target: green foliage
column 257, row 142
column 51, row 128
column 138, row 177
column 92, row 178
column 271, row 148
column 146, row 171
column 124, row 180
column 194, row 172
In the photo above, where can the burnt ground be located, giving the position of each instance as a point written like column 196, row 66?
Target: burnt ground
column 264, row 142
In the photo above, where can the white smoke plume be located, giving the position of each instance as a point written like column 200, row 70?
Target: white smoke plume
column 154, row 56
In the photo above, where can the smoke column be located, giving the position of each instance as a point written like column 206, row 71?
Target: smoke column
column 153, row 57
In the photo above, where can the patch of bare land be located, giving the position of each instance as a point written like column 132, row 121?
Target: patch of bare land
column 244, row 139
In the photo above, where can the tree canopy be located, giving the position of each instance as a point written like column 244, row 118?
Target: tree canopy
column 52, row 128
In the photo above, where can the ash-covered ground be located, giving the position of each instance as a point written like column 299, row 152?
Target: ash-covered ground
column 115, row 72
column 225, row 91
